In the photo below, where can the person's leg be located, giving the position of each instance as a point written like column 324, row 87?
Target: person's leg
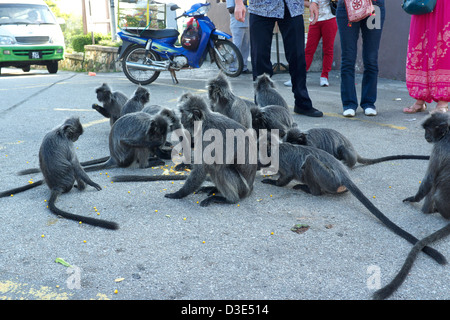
column 261, row 30
column 314, row 35
column 245, row 46
column 292, row 31
column 236, row 38
column 371, row 36
column 349, row 37
column 329, row 31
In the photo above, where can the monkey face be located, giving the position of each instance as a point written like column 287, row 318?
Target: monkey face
column 436, row 127
column 103, row 93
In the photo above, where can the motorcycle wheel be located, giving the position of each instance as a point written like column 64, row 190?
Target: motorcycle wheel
column 136, row 54
column 228, row 57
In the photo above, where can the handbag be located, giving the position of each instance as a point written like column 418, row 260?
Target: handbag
column 358, row 9
column 333, row 6
column 418, row 6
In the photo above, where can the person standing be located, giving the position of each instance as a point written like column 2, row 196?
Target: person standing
column 241, row 34
column 289, row 16
column 325, row 29
column 428, row 59
column 371, row 36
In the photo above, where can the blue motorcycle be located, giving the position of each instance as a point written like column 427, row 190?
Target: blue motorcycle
column 145, row 53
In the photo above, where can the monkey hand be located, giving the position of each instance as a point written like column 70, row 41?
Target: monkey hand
column 95, row 106
column 269, row 181
column 410, row 199
column 96, row 186
column 175, row 195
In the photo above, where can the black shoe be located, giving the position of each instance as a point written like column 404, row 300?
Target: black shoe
column 309, row 112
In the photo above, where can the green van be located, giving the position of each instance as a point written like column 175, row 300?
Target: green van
column 29, row 35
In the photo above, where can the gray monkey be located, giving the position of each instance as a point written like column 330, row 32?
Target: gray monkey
column 59, row 164
column 435, row 188
column 140, row 98
column 319, row 173
column 272, row 117
column 232, row 181
column 266, row 92
column 336, row 144
column 113, row 102
column 224, row 101
column 133, row 138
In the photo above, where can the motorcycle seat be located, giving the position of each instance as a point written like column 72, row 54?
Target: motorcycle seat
column 155, row 34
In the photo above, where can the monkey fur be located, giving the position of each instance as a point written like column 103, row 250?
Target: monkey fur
column 272, row 117
column 113, row 102
column 435, row 188
column 266, row 93
column 319, row 173
column 60, row 167
column 224, row 101
column 339, row 146
column 137, row 136
column 140, row 98
column 232, row 181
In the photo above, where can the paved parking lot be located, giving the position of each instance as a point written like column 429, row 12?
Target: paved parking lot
column 175, row 249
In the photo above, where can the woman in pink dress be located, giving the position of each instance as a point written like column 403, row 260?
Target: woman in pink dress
column 428, row 59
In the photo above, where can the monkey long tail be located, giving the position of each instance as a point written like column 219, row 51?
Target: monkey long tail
column 83, row 164
column 110, row 163
column 436, row 255
column 136, row 178
column 92, row 221
column 21, row 189
column 94, row 161
column 390, row 288
column 389, row 158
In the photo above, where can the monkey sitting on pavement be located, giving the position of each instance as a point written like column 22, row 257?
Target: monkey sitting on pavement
column 135, row 127
column 137, row 136
column 336, row 144
column 319, row 173
column 59, row 165
column 140, row 98
column 224, row 101
column 435, row 188
column 232, row 180
column 266, row 93
column 113, row 102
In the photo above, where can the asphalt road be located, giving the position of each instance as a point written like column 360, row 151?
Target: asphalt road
column 176, row 250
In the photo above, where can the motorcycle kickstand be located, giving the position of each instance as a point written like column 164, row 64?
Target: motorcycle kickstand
column 174, row 76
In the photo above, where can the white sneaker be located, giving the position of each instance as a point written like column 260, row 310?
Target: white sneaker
column 370, row 112
column 349, row 113
column 324, row 82
column 288, row 83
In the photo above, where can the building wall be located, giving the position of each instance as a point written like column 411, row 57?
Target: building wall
column 394, row 41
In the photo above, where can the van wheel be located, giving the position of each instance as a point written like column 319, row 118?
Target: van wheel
column 52, row 67
column 26, row 69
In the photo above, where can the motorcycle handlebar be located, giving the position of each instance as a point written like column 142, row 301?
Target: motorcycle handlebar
column 180, row 16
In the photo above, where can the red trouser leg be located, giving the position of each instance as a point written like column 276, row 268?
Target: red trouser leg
column 328, row 31
column 311, row 43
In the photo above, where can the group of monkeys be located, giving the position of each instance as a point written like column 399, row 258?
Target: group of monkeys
column 317, row 158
